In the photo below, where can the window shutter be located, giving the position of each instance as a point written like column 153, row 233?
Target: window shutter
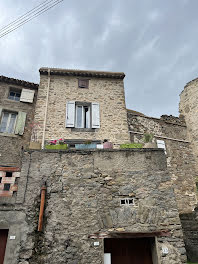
column 70, row 114
column 161, row 144
column 95, row 115
column 20, row 123
column 27, row 96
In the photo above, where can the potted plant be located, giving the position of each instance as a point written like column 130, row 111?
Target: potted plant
column 148, row 141
column 131, row 145
column 56, row 144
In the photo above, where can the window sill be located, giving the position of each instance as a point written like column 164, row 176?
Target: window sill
column 7, row 135
column 83, row 129
column 10, row 100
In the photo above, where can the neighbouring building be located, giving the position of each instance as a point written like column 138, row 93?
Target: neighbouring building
column 17, row 104
column 103, row 206
column 81, row 105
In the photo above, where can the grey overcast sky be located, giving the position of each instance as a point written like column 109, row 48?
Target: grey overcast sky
column 155, row 42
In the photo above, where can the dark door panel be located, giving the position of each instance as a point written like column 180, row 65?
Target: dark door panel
column 3, row 241
column 129, row 250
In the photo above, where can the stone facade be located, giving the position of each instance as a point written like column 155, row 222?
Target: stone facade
column 179, row 154
column 188, row 109
column 84, row 189
column 10, row 143
column 190, row 230
column 107, row 89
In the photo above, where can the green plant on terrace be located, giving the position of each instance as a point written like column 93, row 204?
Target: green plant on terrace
column 131, row 145
column 148, row 137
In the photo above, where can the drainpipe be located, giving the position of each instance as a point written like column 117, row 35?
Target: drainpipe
column 43, row 192
column 46, row 107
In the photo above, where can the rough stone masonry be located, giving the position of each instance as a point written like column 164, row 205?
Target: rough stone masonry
column 84, row 189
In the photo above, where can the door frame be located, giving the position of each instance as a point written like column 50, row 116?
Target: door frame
column 153, row 242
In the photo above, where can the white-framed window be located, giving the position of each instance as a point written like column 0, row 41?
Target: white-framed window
column 24, row 95
column 8, row 122
column 14, row 94
column 82, row 115
column 12, row 122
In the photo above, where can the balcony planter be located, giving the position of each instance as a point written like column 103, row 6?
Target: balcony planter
column 86, row 146
column 131, row 145
column 58, row 146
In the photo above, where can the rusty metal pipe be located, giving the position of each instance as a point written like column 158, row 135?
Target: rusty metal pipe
column 42, row 205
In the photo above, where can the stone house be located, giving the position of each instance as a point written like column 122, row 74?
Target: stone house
column 17, row 103
column 80, row 105
column 102, row 206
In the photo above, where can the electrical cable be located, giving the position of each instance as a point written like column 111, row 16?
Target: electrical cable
column 17, row 25
column 26, row 14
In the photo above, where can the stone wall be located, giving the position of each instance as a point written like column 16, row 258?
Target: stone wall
column 179, row 154
column 190, row 229
column 11, row 144
column 108, row 92
column 84, row 189
column 188, row 109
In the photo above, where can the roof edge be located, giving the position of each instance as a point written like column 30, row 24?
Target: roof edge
column 18, row 82
column 82, row 73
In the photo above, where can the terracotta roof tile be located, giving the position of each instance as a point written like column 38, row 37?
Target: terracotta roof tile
column 83, row 73
column 18, row 82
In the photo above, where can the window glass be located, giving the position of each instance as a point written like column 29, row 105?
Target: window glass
column 11, row 123
column 8, row 122
column 87, row 117
column 4, row 122
column 14, row 95
column 82, row 116
column 79, row 116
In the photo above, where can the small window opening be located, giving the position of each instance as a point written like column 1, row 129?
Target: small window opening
column 6, row 186
column 127, row 201
column 8, row 174
column 14, row 94
column 197, row 185
column 122, row 201
column 0, row 179
column 82, row 83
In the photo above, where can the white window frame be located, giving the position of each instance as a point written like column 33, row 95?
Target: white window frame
column 8, row 121
column 83, row 116
column 14, row 90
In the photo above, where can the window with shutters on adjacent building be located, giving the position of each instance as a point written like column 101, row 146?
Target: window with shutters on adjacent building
column 24, row 95
column 12, row 122
column 82, row 115
column 14, row 94
column 8, row 122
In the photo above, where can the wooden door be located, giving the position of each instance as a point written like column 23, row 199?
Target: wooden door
column 129, row 250
column 3, row 241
